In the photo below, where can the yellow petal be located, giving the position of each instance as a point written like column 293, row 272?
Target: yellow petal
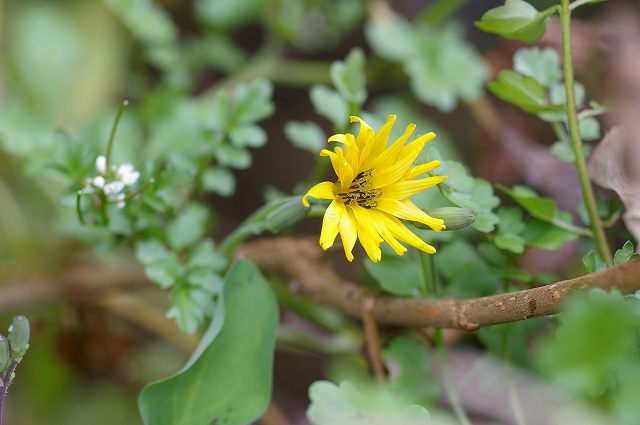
column 386, row 233
column 401, row 232
column 422, row 168
column 323, row 190
column 342, row 138
column 367, row 234
column 348, row 232
column 388, row 156
column 340, row 166
column 330, row 224
column 392, row 171
column 407, row 210
column 405, row 189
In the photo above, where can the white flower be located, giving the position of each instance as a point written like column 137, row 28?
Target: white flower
column 101, row 164
column 127, row 174
column 98, row 181
column 113, row 188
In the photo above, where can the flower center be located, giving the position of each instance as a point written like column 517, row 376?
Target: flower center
column 360, row 192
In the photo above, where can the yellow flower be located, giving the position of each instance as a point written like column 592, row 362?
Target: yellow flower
column 373, row 189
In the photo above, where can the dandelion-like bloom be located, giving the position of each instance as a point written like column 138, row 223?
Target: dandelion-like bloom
column 373, row 189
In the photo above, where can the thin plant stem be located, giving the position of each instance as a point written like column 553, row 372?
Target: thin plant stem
column 6, row 382
column 576, row 143
column 112, row 136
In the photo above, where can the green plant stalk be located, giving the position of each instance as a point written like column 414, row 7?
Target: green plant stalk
column 574, row 135
column 112, row 136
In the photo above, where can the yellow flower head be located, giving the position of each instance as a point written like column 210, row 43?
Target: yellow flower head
column 373, row 189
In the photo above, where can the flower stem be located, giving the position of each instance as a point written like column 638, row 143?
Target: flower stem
column 6, row 382
column 121, row 109
column 576, row 143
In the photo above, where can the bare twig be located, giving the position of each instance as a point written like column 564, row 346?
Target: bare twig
column 372, row 337
column 298, row 260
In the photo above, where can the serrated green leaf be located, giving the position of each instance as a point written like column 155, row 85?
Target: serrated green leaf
column 510, row 241
column 150, row 251
column 542, row 208
column 392, row 38
column 205, row 255
column 360, row 405
column 250, row 136
column 164, row 272
column 329, row 104
column 625, row 254
column 597, row 337
column 219, row 180
column 252, row 102
column 445, row 68
column 306, row 135
column 516, row 20
column 349, row 76
column 522, row 91
column 399, row 275
column 541, row 64
column 234, row 157
column 593, row 263
column 188, row 227
column 186, row 308
column 467, row 274
column 228, row 378
column 541, row 234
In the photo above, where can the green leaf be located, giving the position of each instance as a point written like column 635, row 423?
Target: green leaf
column 516, row 20
column 517, row 335
column 252, row 102
column 598, row 335
column 219, row 180
column 524, row 92
column 226, row 15
column 409, row 365
column 151, row 251
column 228, row 379
column 541, row 64
column 593, row 263
column 467, row 274
column 399, row 275
column 250, row 136
column 542, row 208
column 164, row 272
column 146, row 20
column 306, row 136
column 563, row 151
column 188, row 227
column 360, row 405
column 234, row 157
column 625, row 254
column 349, row 77
column 589, row 129
column 329, row 104
column 445, row 68
column 541, row 234
column 392, row 37
column 510, row 242
column 205, row 255
column 189, row 307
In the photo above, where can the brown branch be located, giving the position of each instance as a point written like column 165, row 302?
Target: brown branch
column 299, row 260
column 372, row 337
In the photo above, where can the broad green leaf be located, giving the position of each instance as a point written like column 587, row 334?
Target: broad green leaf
column 219, row 180
column 466, row 273
column 392, row 37
column 522, row 91
column 409, row 364
column 250, row 136
column 399, row 275
column 589, row 129
column 517, row 20
column 541, row 234
column 361, row 405
column 349, row 77
column 593, row 263
column 625, row 254
column 234, row 157
column 252, row 102
column 510, row 241
column 329, row 104
column 541, row 64
column 188, row 227
column 445, row 68
column 225, row 14
column 146, row 20
column 228, row 379
column 598, row 335
column 543, row 208
column 306, row 135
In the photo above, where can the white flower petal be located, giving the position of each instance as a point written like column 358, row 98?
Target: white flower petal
column 101, row 164
column 113, row 188
column 98, row 181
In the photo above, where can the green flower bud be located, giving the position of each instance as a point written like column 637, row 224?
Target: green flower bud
column 5, row 354
column 454, row 218
column 19, row 335
column 286, row 215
